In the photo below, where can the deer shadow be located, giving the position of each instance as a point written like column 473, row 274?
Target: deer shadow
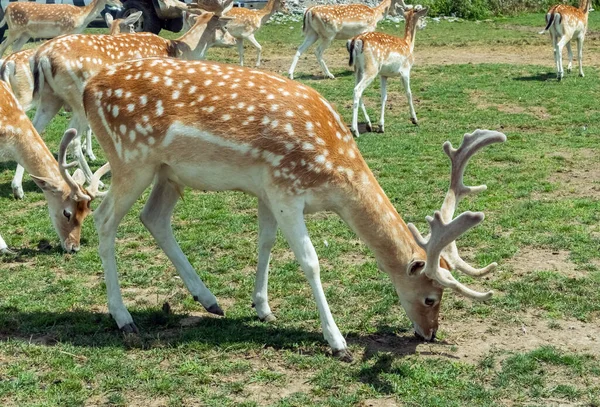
column 539, row 77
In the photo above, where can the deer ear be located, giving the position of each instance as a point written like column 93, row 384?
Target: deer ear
column 109, row 19
column 79, row 177
column 45, row 184
column 415, row 267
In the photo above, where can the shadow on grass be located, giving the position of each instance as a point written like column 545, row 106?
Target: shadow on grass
column 540, row 77
column 321, row 76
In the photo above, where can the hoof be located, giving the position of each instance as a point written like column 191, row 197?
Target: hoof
column 130, row 329
column 92, row 157
column 368, row 127
column 330, row 76
column 414, row 121
column 269, row 318
column 18, row 193
column 380, row 129
column 7, row 251
column 215, row 309
column 344, row 355
column 581, row 75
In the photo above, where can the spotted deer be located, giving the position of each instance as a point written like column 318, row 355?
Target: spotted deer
column 339, row 22
column 565, row 23
column 68, row 201
column 375, row 53
column 282, row 142
column 16, row 71
column 247, row 22
column 28, row 20
column 63, row 65
column 122, row 25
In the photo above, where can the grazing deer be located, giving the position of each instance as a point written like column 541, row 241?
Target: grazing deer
column 63, row 65
column 375, row 53
column 122, row 25
column 339, row 22
column 565, row 23
column 219, row 127
column 247, row 22
column 16, row 71
column 28, row 20
column 68, row 201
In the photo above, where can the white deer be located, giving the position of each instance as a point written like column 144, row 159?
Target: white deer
column 219, row 127
column 16, row 71
column 339, row 22
column 381, row 54
column 28, row 20
column 68, row 202
column 565, row 23
column 247, row 22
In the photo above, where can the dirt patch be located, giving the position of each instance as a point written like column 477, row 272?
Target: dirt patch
column 480, row 100
column 384, row 402
column 269, row 393
column 529, row 260
column 578, row 174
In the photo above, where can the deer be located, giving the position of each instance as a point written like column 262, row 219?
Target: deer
column 122, row 25
column 28, row 20
column 247, row 22
column 565, row 23
column 339, row 22
column 16, row 71
column 68, row 201
column 376, row 53
column 63, row 65
column 282, row 142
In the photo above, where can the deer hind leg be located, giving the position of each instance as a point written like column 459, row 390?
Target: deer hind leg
column 383, row 81
column 291, row 221
column 258, row 49
column 124, row 191
column 240, row 48
column 570, row 54
column 363, row 80
column 18, row 44
column 3, row 247
column 310, row 39
column 323, row 45
column 156, row 217
column 559, row 64
column 267, row 234
column 580, row 54
column 406, row 82
column 17, row 183
column 47, row 107
column 10, row 39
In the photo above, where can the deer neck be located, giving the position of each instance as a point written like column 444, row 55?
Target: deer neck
column 267, row 11
column 410, row 31
column 33, row 154
column 368, row 211
column 92, row 10
column 585, row 5
column 382, row 9
column 189, row 45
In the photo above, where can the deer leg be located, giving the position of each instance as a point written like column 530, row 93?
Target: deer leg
column 559, row 65
column 323, row 45
column 267, row 234
column 310, row 39
column 240, row 47
column 10, row 38
column 124, row 191
column 79, row 123
column 4, row 248
column 18, row 44
column 258, row 49
column 156, row 216
column 17, row 182
column 88, row 144
column 570, row 54
column 383, row 81
column 363, row 80
column 47, row 107
column 580, row 55
column 406, row 82
column 292, row 225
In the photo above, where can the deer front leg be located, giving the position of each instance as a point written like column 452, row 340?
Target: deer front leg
column 570, row 54
column 121, row 196
column 156, row 216
column 406, row 82
column 240, row 47
column 292, row 225
column 10, row 38
column 4, row 248
column 363, row 80
column 580, row 55
column 17, row 183
column 310, row 39
column 323, row 45
column 267, row 234
column 18, row 44
column 383, row 81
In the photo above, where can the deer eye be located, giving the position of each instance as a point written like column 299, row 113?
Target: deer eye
column 429, row 302
column 67, row 214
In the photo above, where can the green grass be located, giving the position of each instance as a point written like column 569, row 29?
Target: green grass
column 59, row 348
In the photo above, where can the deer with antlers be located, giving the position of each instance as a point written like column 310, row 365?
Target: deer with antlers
column 16, row 71
column 247, row 22
column 282, row 142
column 565, row 23
column 63, row 65
column 381, row 54
column 339, row 22
column 28, row 20
column 68, row 201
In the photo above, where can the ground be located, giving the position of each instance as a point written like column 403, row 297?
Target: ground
column 537, row 342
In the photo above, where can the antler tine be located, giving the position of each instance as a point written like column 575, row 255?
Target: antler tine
column 92, row 190
column 63, row 167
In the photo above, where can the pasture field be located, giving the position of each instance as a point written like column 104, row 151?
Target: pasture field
column 536, row 343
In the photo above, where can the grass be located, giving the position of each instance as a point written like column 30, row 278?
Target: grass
column 59, row 348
